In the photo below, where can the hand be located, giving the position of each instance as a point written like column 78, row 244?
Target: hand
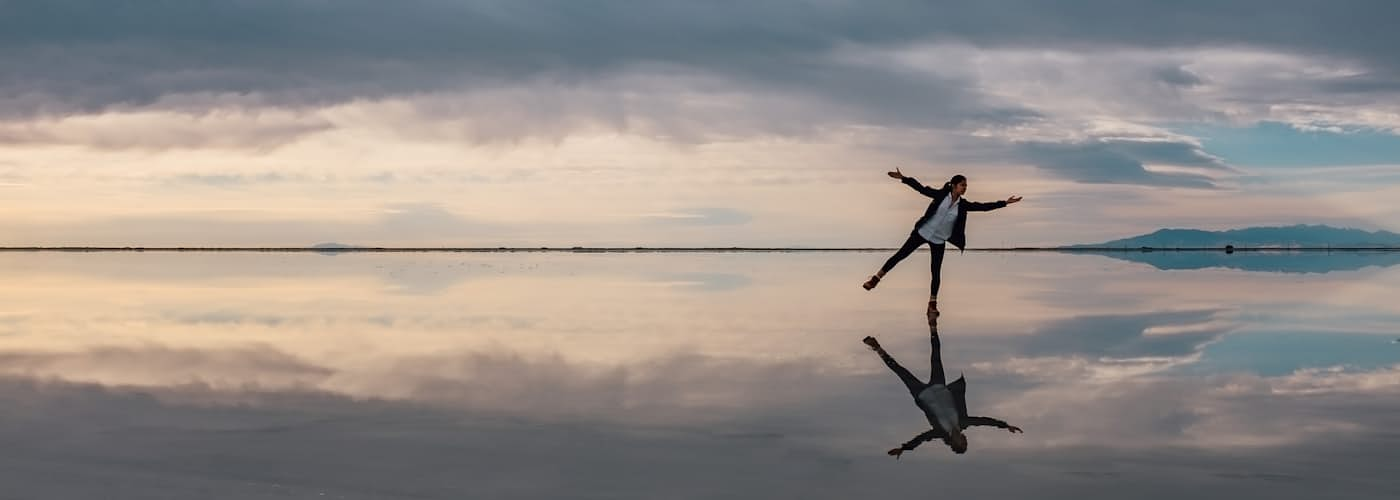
column 1014, row 429
column 896, row 173
column 895, row 452
column 1013, row 199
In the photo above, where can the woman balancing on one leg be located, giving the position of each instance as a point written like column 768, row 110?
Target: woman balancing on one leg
column 944, row 221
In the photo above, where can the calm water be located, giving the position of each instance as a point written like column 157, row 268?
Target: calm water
column 554, row 375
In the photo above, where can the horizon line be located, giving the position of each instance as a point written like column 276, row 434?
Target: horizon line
column 644, row 249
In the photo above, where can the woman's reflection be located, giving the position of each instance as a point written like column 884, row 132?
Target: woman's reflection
column 944, row 404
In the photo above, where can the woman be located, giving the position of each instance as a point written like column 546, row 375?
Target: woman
column 944, row 221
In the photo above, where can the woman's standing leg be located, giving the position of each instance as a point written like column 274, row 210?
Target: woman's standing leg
column 907, row 248
column 936, row 268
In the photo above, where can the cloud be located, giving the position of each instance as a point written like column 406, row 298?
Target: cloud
column 497, row 70
column 301, row 48
column 260, row 129
column 11, row 176
column 116, row 443
column 1055, row 398
column 1368, row 83
column 395, row 224
column 672, row 389
column 675, row 388
column 361, row 84
column 1147, row 335
column 665, row 69
column 159, row 366
column 1147, row 439
column 706, row 216
column 1177, row 76
column 298, row 53
column 289, row 47
column 417, row 221
column 229, row 180
column 1123, row 162
column 703, row 281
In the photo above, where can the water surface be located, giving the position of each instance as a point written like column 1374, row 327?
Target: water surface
column 690, row 375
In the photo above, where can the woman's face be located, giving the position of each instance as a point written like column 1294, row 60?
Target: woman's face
column 960, row 188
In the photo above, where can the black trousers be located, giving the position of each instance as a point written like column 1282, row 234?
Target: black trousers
column 935, row 259
column 935, row 362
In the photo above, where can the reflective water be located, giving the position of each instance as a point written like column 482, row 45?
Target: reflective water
column 726, row 375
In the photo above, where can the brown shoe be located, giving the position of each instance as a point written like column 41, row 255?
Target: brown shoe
column 870, row 342
column 870, row 283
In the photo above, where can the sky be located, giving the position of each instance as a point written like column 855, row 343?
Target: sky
column 674, row 123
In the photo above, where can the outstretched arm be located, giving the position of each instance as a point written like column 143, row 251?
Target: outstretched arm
column 992, row 422
column 928, row 435
column 913, row 183
column 977, row 206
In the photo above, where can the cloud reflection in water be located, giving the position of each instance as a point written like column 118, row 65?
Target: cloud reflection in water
column 568, row 373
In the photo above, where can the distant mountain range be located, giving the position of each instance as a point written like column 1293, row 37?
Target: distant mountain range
column 1313, row 236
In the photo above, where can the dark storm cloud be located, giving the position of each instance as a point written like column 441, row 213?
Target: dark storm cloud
column 85, row 55
column 89, row 55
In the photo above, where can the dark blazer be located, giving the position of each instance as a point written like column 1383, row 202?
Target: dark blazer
column 959, row 389
column 959, row 238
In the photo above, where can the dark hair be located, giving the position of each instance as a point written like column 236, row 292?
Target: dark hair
column 954, row 445
column 957, row 179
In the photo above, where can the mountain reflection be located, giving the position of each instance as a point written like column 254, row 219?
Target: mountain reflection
column 1310, row 261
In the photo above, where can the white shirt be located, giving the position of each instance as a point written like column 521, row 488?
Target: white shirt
column 939, row 400
column 939, row 228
